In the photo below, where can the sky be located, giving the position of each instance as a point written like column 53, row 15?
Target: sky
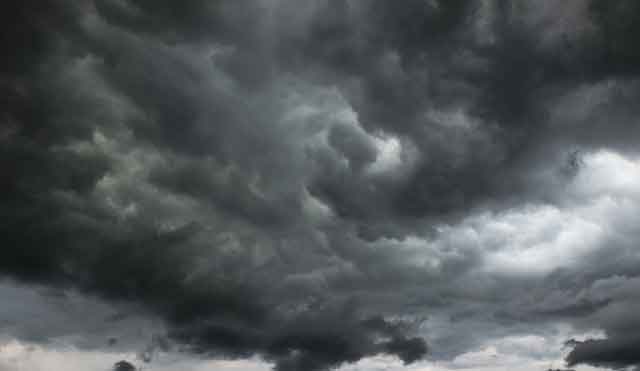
column 315, row 185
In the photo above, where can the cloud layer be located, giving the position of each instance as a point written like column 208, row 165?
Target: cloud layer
column 318, row 182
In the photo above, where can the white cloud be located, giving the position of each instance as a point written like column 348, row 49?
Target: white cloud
column 17, row 356
column 539, row 238
column 509, row 353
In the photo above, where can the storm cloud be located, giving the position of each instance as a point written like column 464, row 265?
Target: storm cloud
column 321, row 182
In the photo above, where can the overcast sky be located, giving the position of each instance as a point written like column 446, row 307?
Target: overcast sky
column 314, row 185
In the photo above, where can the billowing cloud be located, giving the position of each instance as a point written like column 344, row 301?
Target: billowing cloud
column 318, row 183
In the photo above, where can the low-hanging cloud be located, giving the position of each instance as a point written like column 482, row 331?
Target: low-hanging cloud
column 305, row 181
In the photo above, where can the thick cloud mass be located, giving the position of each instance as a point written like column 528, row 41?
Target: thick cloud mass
column 310, row 181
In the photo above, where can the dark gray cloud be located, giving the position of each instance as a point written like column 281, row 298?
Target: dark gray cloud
column 621, row 325
column 123, row 366
column 272, row 177
column 611, row 353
